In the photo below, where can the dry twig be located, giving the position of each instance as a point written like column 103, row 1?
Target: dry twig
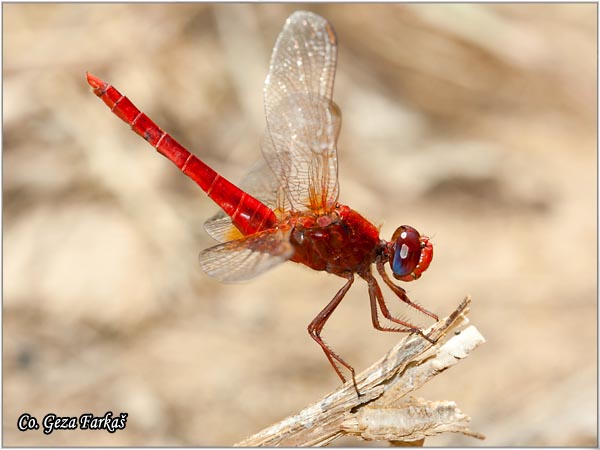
column 382, row 412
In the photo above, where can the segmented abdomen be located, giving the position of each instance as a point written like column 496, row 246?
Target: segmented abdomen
column 247, row 213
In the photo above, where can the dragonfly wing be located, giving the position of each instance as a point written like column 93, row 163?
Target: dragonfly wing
column 303, row 123
column 247, row 257
column 303, row 59
column 221, row 228
column 261, row 184
column 301, row 150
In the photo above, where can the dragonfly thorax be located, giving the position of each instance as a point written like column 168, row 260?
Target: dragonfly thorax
column 339, row 242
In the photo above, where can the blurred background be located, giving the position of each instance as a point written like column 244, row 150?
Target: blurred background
column 474, row 123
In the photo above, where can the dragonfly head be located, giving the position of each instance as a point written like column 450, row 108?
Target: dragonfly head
column 410, row 253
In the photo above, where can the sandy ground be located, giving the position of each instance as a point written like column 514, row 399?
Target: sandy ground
column 476, row 124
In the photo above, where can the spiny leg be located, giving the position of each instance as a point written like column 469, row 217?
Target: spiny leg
column 376, row 298
column 401, row 293
column 316, row 326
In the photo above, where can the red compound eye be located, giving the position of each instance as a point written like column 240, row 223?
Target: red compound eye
column 407, row 251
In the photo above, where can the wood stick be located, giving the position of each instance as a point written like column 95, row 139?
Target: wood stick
column 382, row 412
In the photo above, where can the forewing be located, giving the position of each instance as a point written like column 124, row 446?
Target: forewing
column 247, row 257
column 303, row 123
column 303, row 59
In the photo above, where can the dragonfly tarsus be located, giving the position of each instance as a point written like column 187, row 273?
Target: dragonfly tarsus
column 400, row 292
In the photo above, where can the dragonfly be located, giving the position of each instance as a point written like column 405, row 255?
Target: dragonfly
column 287, row 207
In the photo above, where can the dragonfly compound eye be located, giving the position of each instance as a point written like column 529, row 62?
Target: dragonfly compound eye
column 407, row 251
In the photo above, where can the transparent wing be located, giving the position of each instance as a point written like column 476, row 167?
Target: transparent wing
column 261, row 184
column 303, row 60
column 303, row 123
column 247, row 257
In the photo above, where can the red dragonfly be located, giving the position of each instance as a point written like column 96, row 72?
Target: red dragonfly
column 287, row 206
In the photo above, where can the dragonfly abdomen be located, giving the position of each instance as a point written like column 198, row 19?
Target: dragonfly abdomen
column 248, row 214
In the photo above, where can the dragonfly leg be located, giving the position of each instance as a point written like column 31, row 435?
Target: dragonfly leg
column 376, row 298
column 317, row 324
column 401, row 293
